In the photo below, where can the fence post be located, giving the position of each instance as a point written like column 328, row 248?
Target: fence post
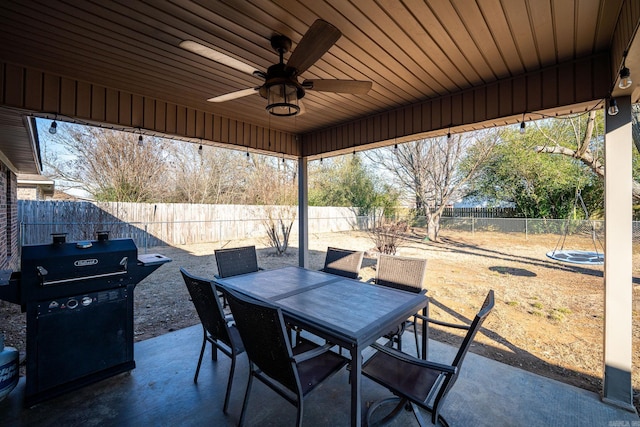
column 473, row 225
column 526, row 229
column 146, row 237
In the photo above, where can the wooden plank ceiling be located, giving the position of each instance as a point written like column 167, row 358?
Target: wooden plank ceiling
column 412, row 50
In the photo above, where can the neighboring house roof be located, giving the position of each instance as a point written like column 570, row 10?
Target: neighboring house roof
column 61, row 195
column 28, row 180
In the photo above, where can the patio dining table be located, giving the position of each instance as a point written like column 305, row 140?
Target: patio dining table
column 346, row 312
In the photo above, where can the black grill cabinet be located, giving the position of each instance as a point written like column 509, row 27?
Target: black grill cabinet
column 78, row 298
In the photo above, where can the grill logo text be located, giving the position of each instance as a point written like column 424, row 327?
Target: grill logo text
column 85, row 262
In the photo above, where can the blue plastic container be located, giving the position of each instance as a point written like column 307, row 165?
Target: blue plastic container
column 9, row 371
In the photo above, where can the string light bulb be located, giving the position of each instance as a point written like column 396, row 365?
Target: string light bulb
column 53, row 129
column 522, row 125
column 625, row 78
column 613, row 107
column 140, row 141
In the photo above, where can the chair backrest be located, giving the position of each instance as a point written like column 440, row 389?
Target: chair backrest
column 343, row 262
column 262, row 329
column 208, row 306
column 478, row 320
column 234, row 261
column 402, row 273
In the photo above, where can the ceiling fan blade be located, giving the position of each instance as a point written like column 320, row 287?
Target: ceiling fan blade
column 217, row 56
column 317, row 40
column 358, row 87
column 234, row 95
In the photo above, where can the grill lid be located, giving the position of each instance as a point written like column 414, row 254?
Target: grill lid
column 60, row 263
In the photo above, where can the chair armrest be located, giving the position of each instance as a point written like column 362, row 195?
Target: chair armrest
column 310, row 354
column 440, row 322
column 372, row 280
column 413, row 360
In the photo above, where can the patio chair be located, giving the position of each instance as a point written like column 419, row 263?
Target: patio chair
column 343, row 262
column 420, row 382
column 290, row 372
column 235, row 261
column 406, row 274
column 216, row 327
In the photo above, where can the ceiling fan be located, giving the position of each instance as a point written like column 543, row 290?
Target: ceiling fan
column 281, row 87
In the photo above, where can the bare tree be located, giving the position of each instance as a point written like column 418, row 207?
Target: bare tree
column 437, row 169
column 205, row 174
column 387, row 235
column 272, row 184
column 585, row 142
column 110, row 165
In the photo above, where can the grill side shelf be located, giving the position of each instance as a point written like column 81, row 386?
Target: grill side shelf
column 153, row 259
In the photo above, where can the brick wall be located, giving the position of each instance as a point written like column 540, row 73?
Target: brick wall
column 8, row 219
column 4, row 173
column 14, row 224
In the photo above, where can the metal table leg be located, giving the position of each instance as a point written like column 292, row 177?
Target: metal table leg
column 355, row 377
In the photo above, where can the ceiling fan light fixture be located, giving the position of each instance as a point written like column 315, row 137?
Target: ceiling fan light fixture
column 282, row 99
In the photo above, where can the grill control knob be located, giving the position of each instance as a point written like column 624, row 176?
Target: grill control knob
column 86, row 301
column 72, row 303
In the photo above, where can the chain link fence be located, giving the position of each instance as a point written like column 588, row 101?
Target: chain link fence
column 529, row 226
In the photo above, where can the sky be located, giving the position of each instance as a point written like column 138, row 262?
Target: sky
column 48, row 146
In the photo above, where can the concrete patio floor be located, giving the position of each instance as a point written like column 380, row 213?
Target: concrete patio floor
column 161, row 392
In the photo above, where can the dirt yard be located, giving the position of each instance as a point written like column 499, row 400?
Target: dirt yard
column 548, row 317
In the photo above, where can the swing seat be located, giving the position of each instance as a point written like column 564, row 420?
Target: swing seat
column 577, row 256
column 574, row 256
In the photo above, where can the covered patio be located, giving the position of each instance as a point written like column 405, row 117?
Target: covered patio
column 161, row 392
column 436, row 67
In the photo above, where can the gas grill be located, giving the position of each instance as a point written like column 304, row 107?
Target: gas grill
column 79, row 303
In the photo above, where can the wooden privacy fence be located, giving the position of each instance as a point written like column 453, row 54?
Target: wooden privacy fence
column 160, row 224
column 480, row 213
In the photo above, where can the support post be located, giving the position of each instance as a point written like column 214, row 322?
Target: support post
column 618, row 260
column 303, row 213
